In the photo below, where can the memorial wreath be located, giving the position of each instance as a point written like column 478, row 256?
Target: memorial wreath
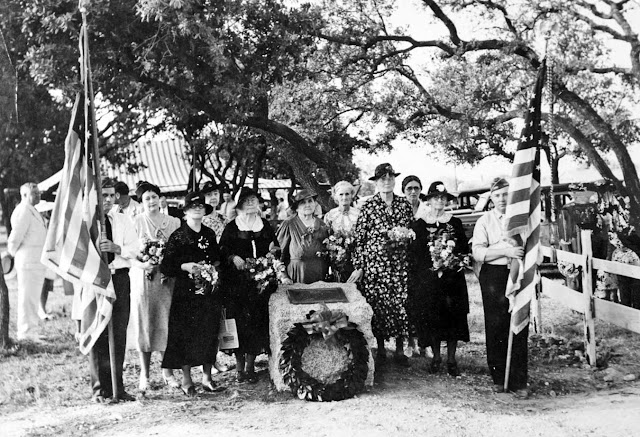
column 333, row 327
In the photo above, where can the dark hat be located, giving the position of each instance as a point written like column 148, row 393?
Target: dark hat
column 144, row 186
column 498, row 183
column 301, row 195
column 7, row 263
column 210, row 186
column 243, row 195
column 381, row 170
column 437, row 188
column 196, row 198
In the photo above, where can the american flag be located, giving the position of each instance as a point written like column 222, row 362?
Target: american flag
column 523, row 212
column 73, row 237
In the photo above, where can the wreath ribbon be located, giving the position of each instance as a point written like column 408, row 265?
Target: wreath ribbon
column 325, row 322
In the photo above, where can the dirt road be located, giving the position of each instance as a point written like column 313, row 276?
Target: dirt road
column 405, row 402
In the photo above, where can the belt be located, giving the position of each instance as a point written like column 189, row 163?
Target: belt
column 119, row 271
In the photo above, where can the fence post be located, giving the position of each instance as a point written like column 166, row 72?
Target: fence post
column 587, row 292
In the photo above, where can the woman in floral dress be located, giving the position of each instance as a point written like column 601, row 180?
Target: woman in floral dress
column 247, row 236
column 439, row 303
column 194, row 319
column 383, row 269
column 150, row 295
column 215, row 220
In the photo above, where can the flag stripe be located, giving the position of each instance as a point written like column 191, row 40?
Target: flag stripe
column 524, row 212
column 71, row 244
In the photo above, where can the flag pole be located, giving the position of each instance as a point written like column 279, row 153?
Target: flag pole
column 509, row 351
column 88, row 89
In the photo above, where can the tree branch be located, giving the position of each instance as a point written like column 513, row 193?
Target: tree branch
column 439, row 13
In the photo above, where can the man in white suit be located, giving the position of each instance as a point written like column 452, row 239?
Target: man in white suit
column 25, row 244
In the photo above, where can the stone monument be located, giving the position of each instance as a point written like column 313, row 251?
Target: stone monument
column 283, row 315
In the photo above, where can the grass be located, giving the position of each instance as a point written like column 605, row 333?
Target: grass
column 54, row 374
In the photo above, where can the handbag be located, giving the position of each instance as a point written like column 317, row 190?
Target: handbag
column 228, row 333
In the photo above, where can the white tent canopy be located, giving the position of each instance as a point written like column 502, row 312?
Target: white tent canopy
column 165, row 164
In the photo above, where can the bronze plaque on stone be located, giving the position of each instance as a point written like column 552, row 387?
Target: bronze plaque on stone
column 316, row 295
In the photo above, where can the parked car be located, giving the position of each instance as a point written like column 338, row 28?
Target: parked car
column 473, row 203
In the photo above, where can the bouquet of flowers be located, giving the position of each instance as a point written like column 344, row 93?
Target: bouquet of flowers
column 205, row 277
column 264, row 272
column 399, row 237
column 152, row 251
column 443, row 256
column 337, row 249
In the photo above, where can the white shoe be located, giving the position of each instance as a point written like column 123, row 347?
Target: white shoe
column 144, row 383
column 44, row 316
column 219, row 367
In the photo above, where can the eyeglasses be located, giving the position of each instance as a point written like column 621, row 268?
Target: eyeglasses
column 440, row 197
column 412, row 188
column 196, row 206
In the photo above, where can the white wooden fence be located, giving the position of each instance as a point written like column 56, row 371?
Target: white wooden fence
column 590, row 307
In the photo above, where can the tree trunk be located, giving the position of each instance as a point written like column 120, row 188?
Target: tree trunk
column 8, row 103
column 298, row 155
column 5, row 342
column 629, row 172
column 257, row 165
column 592, row 153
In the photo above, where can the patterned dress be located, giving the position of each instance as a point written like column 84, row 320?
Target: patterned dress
column 241, row 299
column 338, row 221
column 151, row 298
column 194, row 318
column 215, row 221
column 385, row 270
column 437, row 306
column 343, row 223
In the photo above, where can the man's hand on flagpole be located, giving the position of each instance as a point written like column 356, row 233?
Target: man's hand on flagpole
column 514, row 252
column 107, row 245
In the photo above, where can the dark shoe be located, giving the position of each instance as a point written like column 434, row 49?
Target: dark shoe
column 212, row 387
column 452, row 369
column 126, row 397
column 434, row 367
column 523, row 393
column 241, row 376
column 252, row 377
column 189, row 391
column 401, row 360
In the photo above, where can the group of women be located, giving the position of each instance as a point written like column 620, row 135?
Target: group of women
column 408, row 296
column 172, row 315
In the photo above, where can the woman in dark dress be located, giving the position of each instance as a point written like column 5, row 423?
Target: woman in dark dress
column 194, row 317
column 301, row 239
column 439, row 302
column 247, row 236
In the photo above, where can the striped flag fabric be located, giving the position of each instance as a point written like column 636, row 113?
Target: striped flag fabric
column 71, row 246
column 523, row 212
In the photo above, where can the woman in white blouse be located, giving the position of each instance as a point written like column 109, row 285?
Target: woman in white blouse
column 343, row 218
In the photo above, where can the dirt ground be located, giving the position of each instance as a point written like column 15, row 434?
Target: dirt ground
column 44, row 392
